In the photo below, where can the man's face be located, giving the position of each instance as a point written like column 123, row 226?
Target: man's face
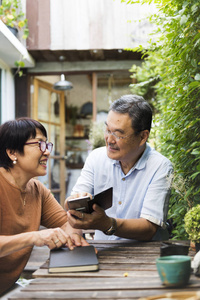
column 121, row 142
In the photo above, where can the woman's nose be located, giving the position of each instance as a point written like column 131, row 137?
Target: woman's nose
column 47, row 152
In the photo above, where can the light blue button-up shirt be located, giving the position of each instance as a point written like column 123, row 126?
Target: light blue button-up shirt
column 143, row 192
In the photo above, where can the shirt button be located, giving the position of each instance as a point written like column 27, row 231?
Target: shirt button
column 123, row 179
column 120, row 202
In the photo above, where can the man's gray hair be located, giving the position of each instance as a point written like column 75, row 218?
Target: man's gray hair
column 138, row 109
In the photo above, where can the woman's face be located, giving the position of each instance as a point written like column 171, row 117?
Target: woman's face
column 33, row 162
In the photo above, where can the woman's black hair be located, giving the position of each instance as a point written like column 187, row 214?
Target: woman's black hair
column 138, row 109
column 13, row 136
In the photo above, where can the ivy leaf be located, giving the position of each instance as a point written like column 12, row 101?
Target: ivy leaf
column 183, row 20
column 197, row 77
column 20, row 73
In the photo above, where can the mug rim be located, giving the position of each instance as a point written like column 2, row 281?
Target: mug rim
column 173, row 258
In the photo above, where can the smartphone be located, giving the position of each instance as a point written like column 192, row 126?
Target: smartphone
column 79, row 204
column 84, row 204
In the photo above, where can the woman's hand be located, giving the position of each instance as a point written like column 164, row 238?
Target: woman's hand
column 75, row 234
column 53, row 238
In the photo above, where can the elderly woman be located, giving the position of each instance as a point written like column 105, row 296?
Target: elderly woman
column 25, row 203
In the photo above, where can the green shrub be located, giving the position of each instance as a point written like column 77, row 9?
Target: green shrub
column 170, row 80
column 192, row 223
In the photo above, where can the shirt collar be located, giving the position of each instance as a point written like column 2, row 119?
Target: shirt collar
column 141, row 163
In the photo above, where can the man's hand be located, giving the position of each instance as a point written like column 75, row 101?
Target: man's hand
column 137, row 229
column 96, row 220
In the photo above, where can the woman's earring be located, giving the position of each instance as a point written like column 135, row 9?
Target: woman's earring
column 15, row 161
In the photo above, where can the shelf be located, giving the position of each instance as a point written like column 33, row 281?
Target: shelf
column 76, row 150
column 74, row 166
column 76, row 137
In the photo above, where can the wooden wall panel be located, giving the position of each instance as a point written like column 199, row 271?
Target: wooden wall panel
column 38, row 15
column 86, row 24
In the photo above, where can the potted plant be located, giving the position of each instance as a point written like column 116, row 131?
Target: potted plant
column 96, row 135
column 192, row 225
column 11, row 15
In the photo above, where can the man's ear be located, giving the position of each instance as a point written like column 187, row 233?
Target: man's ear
column 144, row 136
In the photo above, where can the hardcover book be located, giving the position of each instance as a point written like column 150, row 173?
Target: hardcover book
column 80, row 259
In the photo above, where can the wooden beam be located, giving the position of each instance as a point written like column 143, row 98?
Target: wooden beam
column 94, row 96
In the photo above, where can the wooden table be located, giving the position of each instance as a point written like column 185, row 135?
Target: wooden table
column 127, row 271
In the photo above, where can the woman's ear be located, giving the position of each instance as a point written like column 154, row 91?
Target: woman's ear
column 12, row 155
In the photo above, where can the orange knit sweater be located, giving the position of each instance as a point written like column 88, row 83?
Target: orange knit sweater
column 41, row 208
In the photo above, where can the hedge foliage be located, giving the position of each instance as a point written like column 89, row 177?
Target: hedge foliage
column 170, row 80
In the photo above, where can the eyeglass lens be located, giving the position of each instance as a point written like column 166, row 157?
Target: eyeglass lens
column 44, row 146
column 107, row 132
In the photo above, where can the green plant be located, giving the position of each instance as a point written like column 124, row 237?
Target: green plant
column 11, row 14
column 180, row 201
column 192, row 223
column 170, row 79
column 96, row 135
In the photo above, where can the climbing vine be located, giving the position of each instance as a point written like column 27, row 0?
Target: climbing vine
column 169, row 79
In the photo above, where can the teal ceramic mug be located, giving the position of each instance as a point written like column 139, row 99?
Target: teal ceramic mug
column 174, row 270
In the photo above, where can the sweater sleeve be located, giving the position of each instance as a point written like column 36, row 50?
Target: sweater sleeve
column 52, row 214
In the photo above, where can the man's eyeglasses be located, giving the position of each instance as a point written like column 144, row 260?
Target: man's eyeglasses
column 43, row 145
column 116, row 136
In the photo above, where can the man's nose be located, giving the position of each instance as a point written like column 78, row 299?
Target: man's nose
column 110, row 138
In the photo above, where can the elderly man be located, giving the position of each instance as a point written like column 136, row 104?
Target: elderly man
column 139, row 175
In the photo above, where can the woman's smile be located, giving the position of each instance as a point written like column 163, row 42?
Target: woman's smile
column 43, row 163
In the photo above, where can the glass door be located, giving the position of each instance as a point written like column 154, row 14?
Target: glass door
column 48, row 107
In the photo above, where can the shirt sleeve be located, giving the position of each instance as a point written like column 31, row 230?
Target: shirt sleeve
column 156, row 201
column 85, row 182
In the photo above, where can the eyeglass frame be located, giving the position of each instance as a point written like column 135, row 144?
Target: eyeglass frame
column 109, row 132
column 40, row 142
